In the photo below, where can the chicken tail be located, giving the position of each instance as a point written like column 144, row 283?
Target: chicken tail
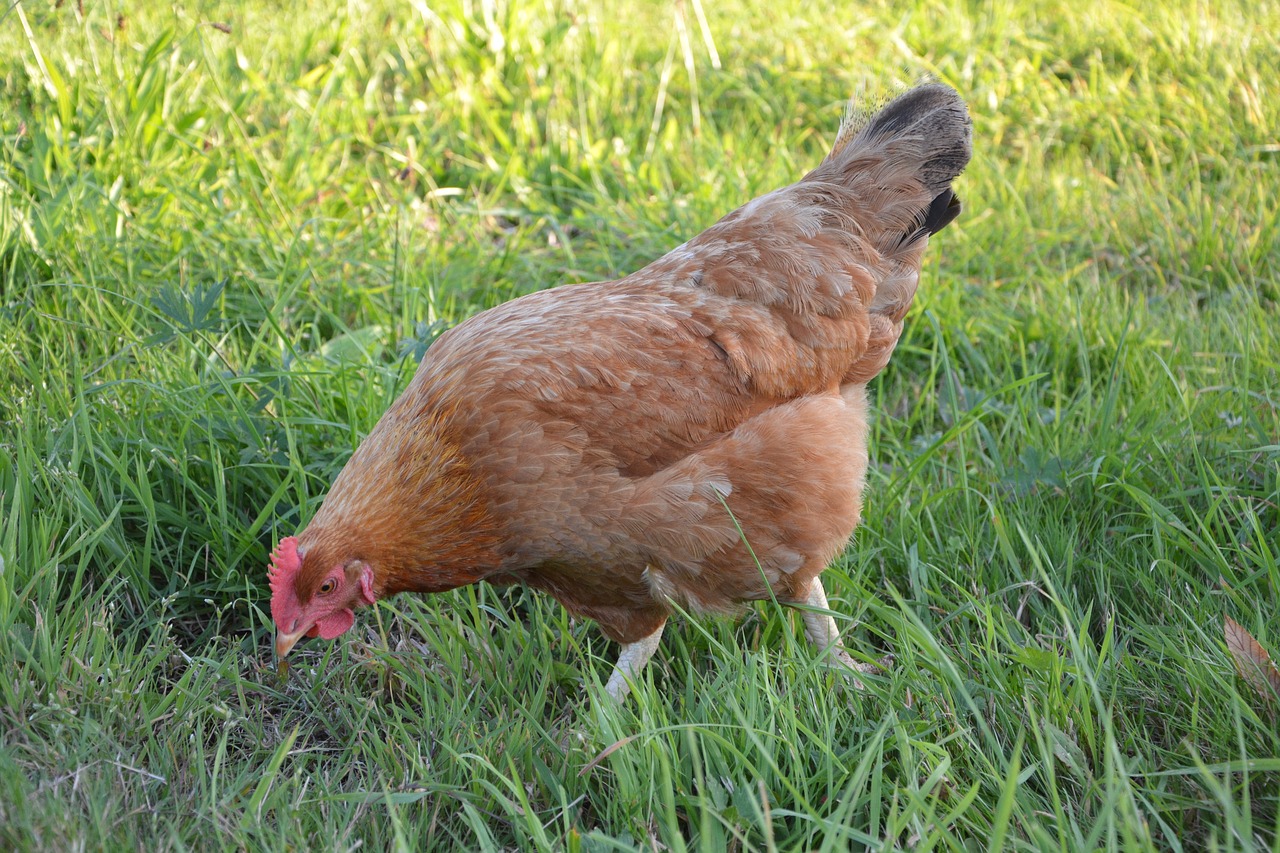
column 894, row 170
column 900, row 162
column 836, row 256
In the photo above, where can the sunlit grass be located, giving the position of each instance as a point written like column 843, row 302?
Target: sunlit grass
column 228, row 231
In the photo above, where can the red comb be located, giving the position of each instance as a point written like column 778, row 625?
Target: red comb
column 285, row 564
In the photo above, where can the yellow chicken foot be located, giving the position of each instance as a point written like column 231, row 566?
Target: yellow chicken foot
column 630, row 661
column 821, row 630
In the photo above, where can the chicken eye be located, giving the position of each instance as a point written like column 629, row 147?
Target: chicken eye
column 328, row 586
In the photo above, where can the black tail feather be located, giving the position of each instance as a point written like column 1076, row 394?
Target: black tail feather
column 914, row 147
column 945, row 207
column 937, row 116
column 942, row 210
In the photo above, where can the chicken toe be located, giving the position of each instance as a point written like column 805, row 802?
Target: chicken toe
column 820, row 628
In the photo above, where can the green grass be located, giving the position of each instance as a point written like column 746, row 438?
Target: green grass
column 228, row 230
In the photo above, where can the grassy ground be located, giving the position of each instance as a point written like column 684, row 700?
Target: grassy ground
column 228, row 230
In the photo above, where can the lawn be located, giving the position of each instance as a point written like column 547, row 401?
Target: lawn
column 228, row 232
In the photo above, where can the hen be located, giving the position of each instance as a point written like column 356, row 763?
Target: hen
column 605, row 442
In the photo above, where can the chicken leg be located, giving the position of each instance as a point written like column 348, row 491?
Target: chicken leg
column 630, row 661
column 821, row 630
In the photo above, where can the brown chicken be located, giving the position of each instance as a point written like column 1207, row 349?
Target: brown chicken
column 605, row 442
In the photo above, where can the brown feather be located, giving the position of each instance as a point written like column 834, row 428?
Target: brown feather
column 1252, row 661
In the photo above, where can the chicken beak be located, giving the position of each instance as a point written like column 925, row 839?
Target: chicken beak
column 285, row 642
